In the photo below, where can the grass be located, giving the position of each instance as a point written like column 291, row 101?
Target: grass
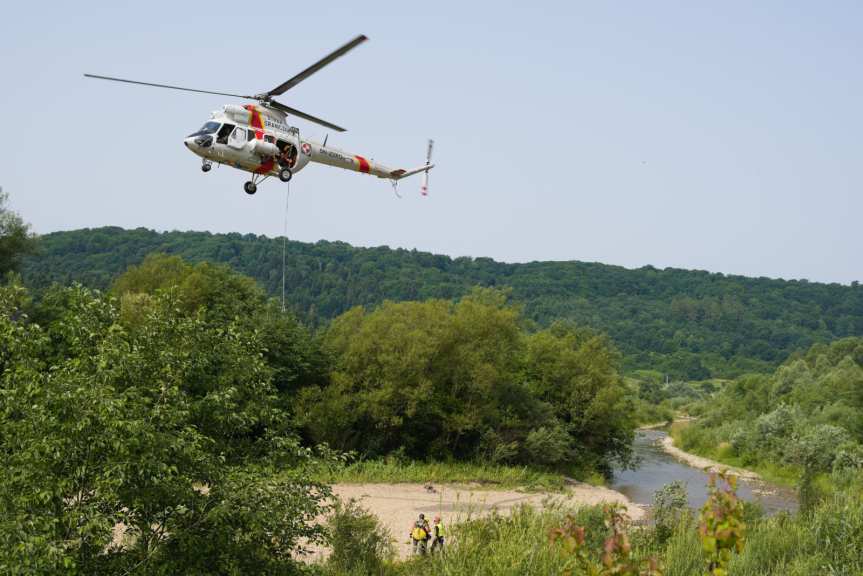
column 517, row 545
column 683, row 554
column 829, row 540
column 393, row 471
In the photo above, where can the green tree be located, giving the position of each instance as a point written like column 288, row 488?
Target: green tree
column 169, row 427
column 574, row 371
column 466, row 380
column 222, row 293
column 16, row 240
column 222, row 296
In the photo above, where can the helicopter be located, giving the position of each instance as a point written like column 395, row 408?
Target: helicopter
column 257, row 138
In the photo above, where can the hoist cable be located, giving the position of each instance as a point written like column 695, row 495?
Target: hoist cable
column 285, row 243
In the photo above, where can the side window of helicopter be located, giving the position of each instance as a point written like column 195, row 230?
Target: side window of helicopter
column 224, row 132
column 238, row 137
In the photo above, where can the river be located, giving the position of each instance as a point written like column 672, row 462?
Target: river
column 657, row 468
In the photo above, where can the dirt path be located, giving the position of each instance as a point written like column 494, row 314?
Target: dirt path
column 705, row 463
column 398, row 505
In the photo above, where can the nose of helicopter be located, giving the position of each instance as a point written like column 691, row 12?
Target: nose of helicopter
column 199, row 143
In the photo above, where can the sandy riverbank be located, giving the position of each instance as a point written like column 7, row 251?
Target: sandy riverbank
column 705, row 463
column 398, row 505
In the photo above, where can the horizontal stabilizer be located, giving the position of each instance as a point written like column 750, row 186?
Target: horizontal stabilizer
column 402, row 173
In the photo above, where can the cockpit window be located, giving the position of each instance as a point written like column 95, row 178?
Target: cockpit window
column 208, row 128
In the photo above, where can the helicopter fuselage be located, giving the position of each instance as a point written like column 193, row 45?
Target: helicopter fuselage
column 257, row 139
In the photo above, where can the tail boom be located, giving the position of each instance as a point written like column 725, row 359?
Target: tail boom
column 356, row 163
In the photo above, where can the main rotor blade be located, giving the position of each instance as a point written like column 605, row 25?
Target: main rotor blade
column 303, row 115
column 167, row 86
column 281, row 88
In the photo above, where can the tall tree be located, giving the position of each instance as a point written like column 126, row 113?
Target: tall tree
column 465, row 380
column 149, row 447
column 16, row 240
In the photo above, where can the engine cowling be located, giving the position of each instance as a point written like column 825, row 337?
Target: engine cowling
column 265, row 149
column 237, row 113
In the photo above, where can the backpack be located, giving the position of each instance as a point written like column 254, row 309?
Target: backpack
column 418, row 533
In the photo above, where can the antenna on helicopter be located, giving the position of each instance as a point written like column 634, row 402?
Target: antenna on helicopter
column 424, row 189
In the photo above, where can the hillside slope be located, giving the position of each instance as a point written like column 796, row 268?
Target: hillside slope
column 690, row 324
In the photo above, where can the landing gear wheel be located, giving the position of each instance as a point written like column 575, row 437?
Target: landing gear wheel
column 285, row 174
column 250, row 187
column 206, row 166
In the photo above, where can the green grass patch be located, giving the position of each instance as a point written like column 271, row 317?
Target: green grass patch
column 517, row 545
column 594, row 479
column 392, row 471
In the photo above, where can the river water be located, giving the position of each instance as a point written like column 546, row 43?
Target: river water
column 657, row 468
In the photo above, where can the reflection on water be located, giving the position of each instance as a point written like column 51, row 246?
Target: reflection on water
column 656, row 468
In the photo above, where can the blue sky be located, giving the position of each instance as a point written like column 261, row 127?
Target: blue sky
column 718, row 136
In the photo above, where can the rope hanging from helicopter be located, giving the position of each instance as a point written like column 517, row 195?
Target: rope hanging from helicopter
column 285, row 243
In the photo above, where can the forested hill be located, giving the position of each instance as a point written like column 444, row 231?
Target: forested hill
column 691, row 324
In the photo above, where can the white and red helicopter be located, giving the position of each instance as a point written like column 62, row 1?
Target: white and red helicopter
column 256, row 138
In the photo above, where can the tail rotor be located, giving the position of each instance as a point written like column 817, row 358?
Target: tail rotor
column 424, row 189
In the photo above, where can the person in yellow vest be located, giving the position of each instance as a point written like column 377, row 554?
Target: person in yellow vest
column 420, row 535
column 438, row 533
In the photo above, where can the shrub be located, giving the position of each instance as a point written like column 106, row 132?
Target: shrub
column 772, row 430
column 849, row 456
column 669, row 507
column 721, row 525
column 817, row 447
column 616, row 558
column 741, row 439
column 360, row 544
column 548, row 446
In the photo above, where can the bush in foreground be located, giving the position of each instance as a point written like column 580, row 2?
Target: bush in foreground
column 360, row 543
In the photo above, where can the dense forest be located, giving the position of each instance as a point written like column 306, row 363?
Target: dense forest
column 686, row 324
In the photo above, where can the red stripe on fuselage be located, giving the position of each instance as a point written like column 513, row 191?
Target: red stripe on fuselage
column 265, row 167
column 255, row 120
column 364, row 164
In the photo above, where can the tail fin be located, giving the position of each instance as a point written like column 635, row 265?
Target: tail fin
column 397, row 175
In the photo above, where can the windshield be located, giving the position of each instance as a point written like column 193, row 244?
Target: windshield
column 208, row 128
